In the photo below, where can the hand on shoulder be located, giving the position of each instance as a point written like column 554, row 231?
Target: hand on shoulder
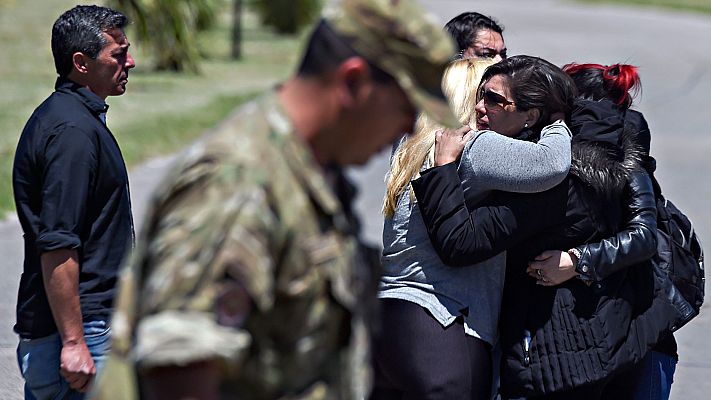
column 449, row 144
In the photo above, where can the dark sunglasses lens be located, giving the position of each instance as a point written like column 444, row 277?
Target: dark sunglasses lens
column 494, row 98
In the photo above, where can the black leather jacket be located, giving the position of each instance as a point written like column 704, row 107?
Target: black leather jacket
column 595, row 121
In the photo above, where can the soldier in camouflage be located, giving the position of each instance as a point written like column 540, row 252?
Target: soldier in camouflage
column 248, row 280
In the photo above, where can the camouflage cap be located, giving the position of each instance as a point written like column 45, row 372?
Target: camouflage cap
column 403, row 40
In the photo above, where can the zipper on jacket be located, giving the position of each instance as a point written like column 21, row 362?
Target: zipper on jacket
column 526, row 347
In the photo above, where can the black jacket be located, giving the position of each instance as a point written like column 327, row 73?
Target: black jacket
column 558, row 338
column 595, row 121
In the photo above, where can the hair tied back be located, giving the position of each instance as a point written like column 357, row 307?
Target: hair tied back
column 624, row 78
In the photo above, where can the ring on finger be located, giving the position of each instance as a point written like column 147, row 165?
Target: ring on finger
column 539, row 273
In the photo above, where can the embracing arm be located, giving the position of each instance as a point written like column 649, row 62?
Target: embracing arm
column 512, row 165
column 596, row 261
column 462, row 236
column 636, row 243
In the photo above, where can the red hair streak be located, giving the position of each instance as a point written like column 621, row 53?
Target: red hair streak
column 619, row 79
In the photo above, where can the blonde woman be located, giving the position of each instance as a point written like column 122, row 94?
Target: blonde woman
column 440, row 322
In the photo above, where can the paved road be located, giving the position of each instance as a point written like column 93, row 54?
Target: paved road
column 676, row 76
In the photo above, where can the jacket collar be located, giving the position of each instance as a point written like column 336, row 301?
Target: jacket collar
column 93, row 102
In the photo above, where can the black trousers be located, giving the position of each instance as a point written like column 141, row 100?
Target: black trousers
column 416, row 358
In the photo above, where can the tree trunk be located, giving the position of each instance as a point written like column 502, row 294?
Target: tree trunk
column 237, row 30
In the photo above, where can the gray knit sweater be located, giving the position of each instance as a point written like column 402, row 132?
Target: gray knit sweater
column 412, row 269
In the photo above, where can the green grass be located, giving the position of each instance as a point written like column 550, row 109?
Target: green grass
column 703, row 6
column 170, row 131
column 161, row 111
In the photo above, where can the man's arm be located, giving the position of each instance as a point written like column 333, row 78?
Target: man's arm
column 205, row 261
column 69, row 164
column 60, row 273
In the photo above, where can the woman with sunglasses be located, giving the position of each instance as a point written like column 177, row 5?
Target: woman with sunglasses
column 439, row 323
column 563, row 334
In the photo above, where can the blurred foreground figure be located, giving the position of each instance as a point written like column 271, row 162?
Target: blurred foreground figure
column 71, row 193
column 249, row 281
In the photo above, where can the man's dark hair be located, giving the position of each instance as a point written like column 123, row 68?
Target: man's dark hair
column 464, row 27
column 79, row 30
column 326, row 50
column 536, row 83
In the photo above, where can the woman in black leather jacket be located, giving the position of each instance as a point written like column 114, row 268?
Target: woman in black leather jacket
column 567, row 340
column 605, row 93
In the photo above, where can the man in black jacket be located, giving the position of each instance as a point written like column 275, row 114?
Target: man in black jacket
column 71, row 192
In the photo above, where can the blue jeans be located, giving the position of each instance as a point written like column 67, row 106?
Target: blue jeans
column 39, row 362
column 657, row 376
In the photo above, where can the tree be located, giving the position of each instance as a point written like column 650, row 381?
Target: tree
column 237, row 30
column 170, row 27
column 288, row 16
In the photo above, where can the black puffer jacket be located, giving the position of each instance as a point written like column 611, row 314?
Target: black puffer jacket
column 558, row 338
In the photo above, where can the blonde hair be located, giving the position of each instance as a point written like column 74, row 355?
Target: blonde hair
column 459, row 83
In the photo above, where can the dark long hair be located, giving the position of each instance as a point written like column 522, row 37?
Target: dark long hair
column 536, row 83
column 613, row 82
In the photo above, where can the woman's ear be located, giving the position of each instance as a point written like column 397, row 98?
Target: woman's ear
column 533, row 116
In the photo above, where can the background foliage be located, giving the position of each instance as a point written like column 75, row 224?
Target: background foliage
column 162, row 111
column 171, row 27
column 288, row 16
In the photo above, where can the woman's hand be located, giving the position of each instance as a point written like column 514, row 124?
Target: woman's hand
column 551, row 268
column 450, row 144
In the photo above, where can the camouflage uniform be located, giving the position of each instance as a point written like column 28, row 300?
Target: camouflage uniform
column 252, row 210
column 248, row 212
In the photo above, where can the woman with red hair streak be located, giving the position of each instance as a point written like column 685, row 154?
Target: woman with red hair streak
column 605, row 95
column 611, row 89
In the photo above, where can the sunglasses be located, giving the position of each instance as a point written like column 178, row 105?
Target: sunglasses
column 492, row 99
